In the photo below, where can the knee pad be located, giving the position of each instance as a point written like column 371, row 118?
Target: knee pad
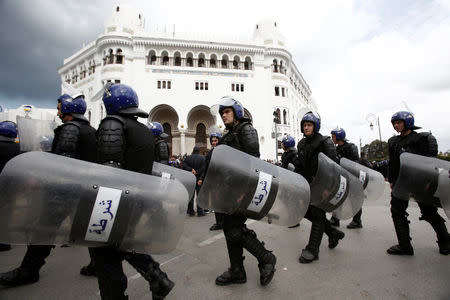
column 234, row 235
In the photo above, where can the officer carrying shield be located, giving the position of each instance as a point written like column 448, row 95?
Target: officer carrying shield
column 424, row 144
column 288, row 144
column 214, row 139
column 350, row 151
column 125, row 143
column 161, row 147
column 242, row 136
column 306, row 164
column 8, row 149
column 75, row 138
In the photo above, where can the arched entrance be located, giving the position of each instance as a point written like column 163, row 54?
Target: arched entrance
column 168, row 117
column 199, row 121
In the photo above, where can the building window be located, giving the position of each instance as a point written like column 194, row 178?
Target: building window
column 117, row 81
column 201, row 85
column 277, row 91
column 164, row 84
column 212, row 62
column 237, row 87
column 282, row 92
column 119, row 56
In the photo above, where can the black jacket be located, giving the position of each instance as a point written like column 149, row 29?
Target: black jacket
column 243, row 137
column 123, row 139
column 347, row 150
column 288, row 157
column 308, row 149
column 162, row 151
column 196, row 162
column 418, row 143
column 75, row 139
column 7, row 151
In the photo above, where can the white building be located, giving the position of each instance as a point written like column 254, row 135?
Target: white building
column 179, row 76
column 29, row 111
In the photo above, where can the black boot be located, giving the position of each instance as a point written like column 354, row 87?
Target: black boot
column 265, row 258
column 160, row 284
column 404, row 241
column 236, row 273
column 5, row 247
column 215, row 227
column 334, row 235
column 88, row 270
column 311, row 252
column 334, row 221
column 356, row 222
column 19, row 276
column 442, row 236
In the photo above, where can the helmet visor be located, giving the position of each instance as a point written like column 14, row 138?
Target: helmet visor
column 225, row 102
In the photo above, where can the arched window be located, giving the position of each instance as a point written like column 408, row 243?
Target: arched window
column 200, row 136
column 275, row 66
column 165, row 58
column 248, row 63
column 177, row 57
column 212, row 61
column 201, row 60
column 224, row 62
column 282, row 70
column 278, row 116
column 236, row 61
column 111, row 56
column 284, row 117
column 151, row 59
column 119, row 56
column 89, row 116
column 189, row 60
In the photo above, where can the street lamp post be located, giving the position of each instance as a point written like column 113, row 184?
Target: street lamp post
column 371, row 118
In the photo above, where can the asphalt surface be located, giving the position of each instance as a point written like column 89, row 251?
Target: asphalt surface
column 358, row 268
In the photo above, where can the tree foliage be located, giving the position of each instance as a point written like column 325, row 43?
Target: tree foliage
column 375, row 151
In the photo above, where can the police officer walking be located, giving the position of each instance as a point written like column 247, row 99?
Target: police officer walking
column 288, row 156
column 125, row 143
column 8, row 149
column 242, row 136
column 422, row 144
column 195, row 163
column 306, row 164
column 214, row 139
column 350, row 151
column 161, row 147
column 75, row 138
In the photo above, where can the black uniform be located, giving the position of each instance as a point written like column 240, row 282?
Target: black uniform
column 125, row 143
column 162, row 151
column 288, row 157
column 421, row 144
column 197, row 162
column 348, row 151
column 75, row 139
column 243, row 137
column 8, row 149
column 306, row 164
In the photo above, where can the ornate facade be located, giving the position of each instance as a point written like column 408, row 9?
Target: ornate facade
column 179, row 76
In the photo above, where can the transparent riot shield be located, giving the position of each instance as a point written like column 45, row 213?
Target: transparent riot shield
column 419, row 177
column 334, row 189
column 51, row 199
column 185, row 177
column 240, row 184
column 443, row 190
column 371, row 180
column 34, row 134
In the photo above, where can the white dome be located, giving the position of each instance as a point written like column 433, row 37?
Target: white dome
column 267, row 32
column 125, row 19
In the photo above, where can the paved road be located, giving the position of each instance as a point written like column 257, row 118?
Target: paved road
column 358, row 268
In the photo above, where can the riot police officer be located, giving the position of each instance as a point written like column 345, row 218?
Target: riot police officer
column 75, row 138
column 424, row 144
column 8, row 149
column 350, row 151
column 242, row 136
column 125, row 143
column 161, row 147
column 214, row 139
column 306, row 164
column 288, row 144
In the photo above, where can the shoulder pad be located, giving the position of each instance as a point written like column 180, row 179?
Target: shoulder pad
column 73, row 122
column 115, row 117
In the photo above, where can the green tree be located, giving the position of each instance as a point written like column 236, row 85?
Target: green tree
column 375, row 151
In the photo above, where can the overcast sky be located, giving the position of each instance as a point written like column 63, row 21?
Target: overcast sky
column 358, row 57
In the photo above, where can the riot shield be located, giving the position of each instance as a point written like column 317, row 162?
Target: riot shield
column 334, row 189
column 185, row 177
column 34, row 134
column 240, row 184
column 443, row 190
column 371, row 180
column 51, row 199
column 419, row 177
